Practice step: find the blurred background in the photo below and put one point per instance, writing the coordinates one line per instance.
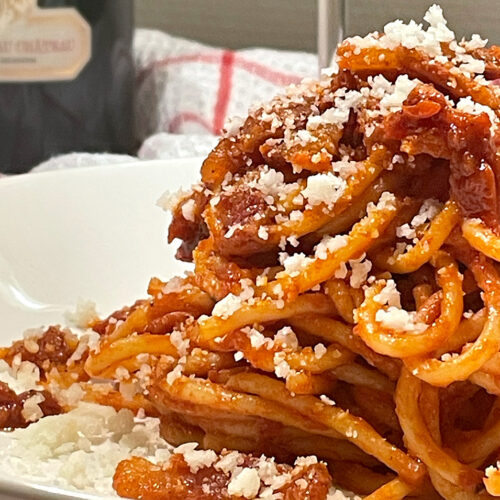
(164, 76)
(291, 24)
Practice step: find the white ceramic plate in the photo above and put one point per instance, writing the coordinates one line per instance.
(92, 233)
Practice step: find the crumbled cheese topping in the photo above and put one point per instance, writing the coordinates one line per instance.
(345, 167)
(180, 341)
(468, 314)
(400, 319)
(389, 295)
(89, 341)
(169, 201)
(411, 35)
(325, 399)
(344, 101)
(360, 269)
(263, 233)
(22, 376)
(187, 210)
(227, 463)
(81, 449)
(306, 461)
(467, 105)
(294, 264)
(196, 459)
(232, 229)
(287, 338)
(175, 373)
(281, 367)
(429, 209)
(84, 315)
(395, 96)
(232, 126)
(245, 484)
(324, 188)
(332, 70)
(492, 469)
(271, 183)
(414, 36)
(328, 245)
(476, 42)
(30, 339)
(31, 411)
(448, 356)
(238, 356)
(319, 351)
(231, 303)
(387, 201)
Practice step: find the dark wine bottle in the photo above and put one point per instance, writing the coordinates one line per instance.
(66, 79)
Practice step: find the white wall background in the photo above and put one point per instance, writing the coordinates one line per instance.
(291, 24)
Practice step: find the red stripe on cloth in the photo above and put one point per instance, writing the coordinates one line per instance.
(213, 57)
(224, 92)
(274, 76)
(187, 116)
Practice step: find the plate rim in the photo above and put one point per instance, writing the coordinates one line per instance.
(12, 487)
(99, 168)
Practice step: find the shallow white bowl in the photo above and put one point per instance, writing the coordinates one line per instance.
(92, 233)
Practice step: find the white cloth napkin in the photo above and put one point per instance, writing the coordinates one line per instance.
(185, 91)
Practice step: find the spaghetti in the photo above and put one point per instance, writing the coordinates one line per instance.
(345, 301)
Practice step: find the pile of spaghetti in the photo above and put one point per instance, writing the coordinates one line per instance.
(345, 299)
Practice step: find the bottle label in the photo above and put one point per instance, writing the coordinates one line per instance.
(38, 44)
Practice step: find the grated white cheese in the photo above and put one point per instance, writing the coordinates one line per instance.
(169, 201)
(70, 396)
(389, 295)
(319, 351)
(281, 367)
(31, 411)
(342, 271)
(187, 210)
(476, 42)
(22, 376)
(492, 469)
(287, 338)
(180, 341)
(325, 399)
(345, 168)
(344, 101)
(245, 484)
(467, 105)
(271, 183)
(257, 339)
(329, 245)
(324, 188)
(87, 342)
(196, 459)
(447, 356)
(263, 233)
(232, 126)
(429, 209)
(79, 450)
(294, 264)
(411, 35)
(360, 269)
(400, 319)
(393, 95)
(232, 229)
(84, 314)
(468, 314)
(174, 374)
(227, 306)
